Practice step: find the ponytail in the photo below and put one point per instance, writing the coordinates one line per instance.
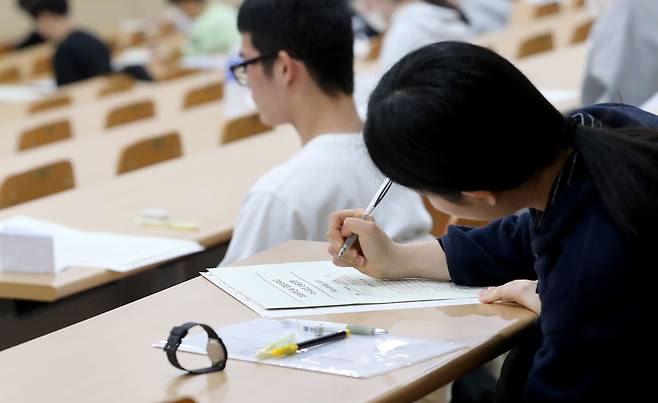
(623, 165)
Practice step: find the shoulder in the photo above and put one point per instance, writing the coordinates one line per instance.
(80, 39)
(315, 164)
(218, 14)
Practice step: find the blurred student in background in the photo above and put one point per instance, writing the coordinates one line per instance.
(298, 62)
(79, 55)
(485, 15)
(33, 38)
(412, 24)
(211, 28)
(623, 61)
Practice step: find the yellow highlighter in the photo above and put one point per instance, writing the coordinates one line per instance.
(282, 350)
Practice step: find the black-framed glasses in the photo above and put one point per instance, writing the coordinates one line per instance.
(239, 70)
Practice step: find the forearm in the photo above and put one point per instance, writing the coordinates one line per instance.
(420, 260)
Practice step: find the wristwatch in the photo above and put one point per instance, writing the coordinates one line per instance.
(215, 348)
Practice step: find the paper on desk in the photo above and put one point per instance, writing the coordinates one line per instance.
(557, 96)
(381, 298)
(19, 93)
(285, 313)
(651, 105)
(316, 284)
(114, 252)
(356, 356)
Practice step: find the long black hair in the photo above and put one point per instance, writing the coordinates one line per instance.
(453, 117)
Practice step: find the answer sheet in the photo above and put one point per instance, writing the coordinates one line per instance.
(318, 284)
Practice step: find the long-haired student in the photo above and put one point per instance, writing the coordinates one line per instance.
(464, 126)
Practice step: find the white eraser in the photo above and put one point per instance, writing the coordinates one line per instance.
(26, 251)
(155, 213)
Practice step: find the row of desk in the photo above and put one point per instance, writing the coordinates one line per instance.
(109, 356)
(88, 113)
(233, 167)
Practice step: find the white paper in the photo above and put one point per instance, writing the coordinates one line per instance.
(651, 105)
(114, 252)
(19, 93)
(204, 62)
(558, 96)
(284, 313)
(355, 356)
(320, 284)
(25, 251)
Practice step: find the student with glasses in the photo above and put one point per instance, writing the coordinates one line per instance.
(298, 63)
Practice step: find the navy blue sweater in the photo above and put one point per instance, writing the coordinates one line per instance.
(79, 57)
(592, 286)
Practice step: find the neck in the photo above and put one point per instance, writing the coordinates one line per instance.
(319, 114)
(539, 188)
(62, 31)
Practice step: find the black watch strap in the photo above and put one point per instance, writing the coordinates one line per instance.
(216, 349)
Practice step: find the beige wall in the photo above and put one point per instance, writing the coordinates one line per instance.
(94, 14)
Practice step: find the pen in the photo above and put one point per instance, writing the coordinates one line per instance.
(292, 348)
(369, 210)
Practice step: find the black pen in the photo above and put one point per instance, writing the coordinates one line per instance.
(292, 348)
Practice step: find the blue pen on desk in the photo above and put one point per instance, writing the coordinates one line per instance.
(379, 196)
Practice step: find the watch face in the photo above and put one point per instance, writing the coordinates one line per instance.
(216, 351)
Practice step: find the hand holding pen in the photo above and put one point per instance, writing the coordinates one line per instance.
(379, 196)
(373, 256)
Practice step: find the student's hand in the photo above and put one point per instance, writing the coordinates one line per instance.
(523, 292)
(373, 252)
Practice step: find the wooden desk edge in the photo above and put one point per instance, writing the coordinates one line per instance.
(96, 278)
(457, 364)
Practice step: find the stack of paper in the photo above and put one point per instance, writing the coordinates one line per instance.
(314, 288)
(114, 252)
(355, 356)
(19, 93)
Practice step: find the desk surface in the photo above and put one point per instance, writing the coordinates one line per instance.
(561, 70)
(95, 157)
(507, 40)
(88, 114)
(109, 357)
(207, 189)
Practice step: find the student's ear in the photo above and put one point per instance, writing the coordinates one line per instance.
(286, 68)
(480, 196)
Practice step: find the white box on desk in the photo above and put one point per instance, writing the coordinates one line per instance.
(26, 252)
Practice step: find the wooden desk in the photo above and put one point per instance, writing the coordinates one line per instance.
(88, 113)
(25, 59)
(95, 157)
(562, 69)
(506, 41)
(109, 357)
(207, 189)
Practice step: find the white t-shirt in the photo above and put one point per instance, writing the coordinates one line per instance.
(486, 15)
(331, 172)
(415, 25)
(623, 56)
